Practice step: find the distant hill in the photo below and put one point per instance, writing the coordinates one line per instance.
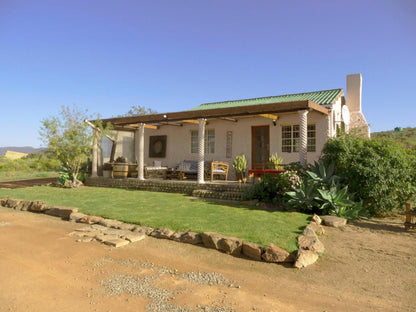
(21, 149)
(407, 136)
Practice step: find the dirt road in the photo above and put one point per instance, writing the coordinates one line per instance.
(367, 267)
(26, 182)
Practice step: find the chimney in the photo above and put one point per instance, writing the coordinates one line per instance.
(354, 86)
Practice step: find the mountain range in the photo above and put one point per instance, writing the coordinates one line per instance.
(21, 149)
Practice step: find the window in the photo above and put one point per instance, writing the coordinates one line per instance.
(290, 138)
(209, 141)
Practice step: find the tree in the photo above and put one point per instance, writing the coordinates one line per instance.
(139, 111)
(69, 139)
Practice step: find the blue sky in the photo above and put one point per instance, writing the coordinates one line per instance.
(172, 55)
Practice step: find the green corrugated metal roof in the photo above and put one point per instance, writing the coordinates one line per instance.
(319, 97)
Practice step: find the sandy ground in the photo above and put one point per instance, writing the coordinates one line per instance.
(370, 266)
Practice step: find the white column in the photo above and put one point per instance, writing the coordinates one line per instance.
(136, 146)
(94, 154)
(303, 137)
(99, 153)
(201, 150)
(140, 156)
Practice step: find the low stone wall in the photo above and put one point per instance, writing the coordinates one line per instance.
(231, 191)
(116, 233)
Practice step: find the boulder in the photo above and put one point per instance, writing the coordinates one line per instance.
(276, 254)
(61, 212)
(311, 243)
(118, 242)
(90, 219)
(318, 229)
(308, 231)
(3, 202)
(210, 239)
(110, 223)
(177, 236)
(334, 221)
(76, 216)
(252, 251)
(126, 226)
(190, 238)
(134, 237)
(316, 219)
(162, 233)
(38, 206)
(144, 229)
(23, 205)
(230, 245)
(12, 203)
(305, 258)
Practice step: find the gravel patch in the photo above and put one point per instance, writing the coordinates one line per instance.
(206, 278)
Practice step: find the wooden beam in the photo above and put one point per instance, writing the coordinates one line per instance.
(229, 119)
(172, 124)
(193, 121)
(269, 116)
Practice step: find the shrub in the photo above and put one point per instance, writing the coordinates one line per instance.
(380, 172)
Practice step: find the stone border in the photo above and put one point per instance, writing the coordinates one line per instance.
(116, 233)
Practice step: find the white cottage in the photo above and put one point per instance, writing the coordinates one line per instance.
(294, 126)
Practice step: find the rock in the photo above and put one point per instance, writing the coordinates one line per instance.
(210, 239)
(38, 206)
(163, 233)
(118, 242)
(334, 221)
(316, 219)
(144, 229)
(190, 238)
(77, 234)
(61, 212)
(308, 231)
(230, 245)
(305, 258)
(276, 254)
(177, 236)
(311, 243)
(318, 229)
(76, 216)
(117, 232)
(12, 203)
(252, 251)
(23, 205)
(3, 202)
(90, 219)
(110, 223)
(134, 237)
(126, 226)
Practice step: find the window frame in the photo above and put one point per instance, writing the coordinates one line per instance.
(209, 141)
(290, 137)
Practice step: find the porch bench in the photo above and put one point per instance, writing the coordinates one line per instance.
(189, 169)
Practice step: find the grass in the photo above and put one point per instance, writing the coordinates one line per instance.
(175, 211)
(19, 175)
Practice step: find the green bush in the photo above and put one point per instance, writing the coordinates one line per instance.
(380, 173)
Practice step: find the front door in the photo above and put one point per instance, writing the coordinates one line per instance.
(259, 147)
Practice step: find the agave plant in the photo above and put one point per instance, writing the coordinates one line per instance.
(323, 175)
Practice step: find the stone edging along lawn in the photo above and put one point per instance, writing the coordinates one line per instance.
(117, 233)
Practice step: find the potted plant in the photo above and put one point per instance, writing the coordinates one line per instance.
(120, 168)
(133, 170)
(107, 170)
(240, 166)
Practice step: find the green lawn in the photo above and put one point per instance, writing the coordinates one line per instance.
(175, 211)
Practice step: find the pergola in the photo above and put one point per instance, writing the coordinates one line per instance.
(200, 117)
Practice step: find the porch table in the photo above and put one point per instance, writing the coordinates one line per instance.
(262, 172)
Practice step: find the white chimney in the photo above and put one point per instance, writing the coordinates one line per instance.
(354, 87)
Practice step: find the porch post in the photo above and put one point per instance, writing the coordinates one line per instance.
(94, 154)
(140, 157)
(303, 137)
(201, 150)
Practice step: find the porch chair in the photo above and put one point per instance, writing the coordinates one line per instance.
(219, 168)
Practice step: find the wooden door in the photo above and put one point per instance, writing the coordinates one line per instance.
(259, 147)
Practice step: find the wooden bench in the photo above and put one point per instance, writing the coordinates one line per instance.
(219, 168)
(410, 214)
